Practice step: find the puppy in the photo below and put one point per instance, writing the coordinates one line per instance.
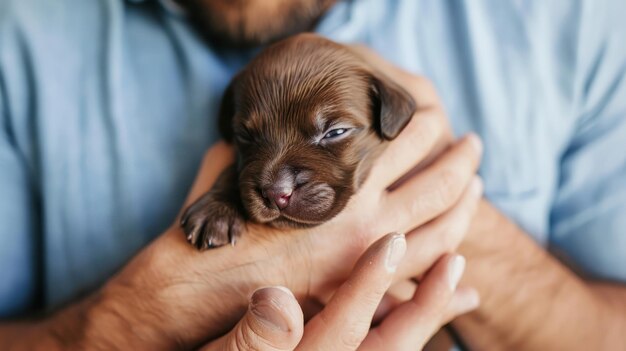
(307, 117)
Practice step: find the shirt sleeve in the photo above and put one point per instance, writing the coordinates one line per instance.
(18, 220)
(588, 218)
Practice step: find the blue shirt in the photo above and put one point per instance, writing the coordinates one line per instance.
(106, 108)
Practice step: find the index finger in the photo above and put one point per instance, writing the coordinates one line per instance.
(426, 135)
(412, 324)
(346, 319)
(423, 136)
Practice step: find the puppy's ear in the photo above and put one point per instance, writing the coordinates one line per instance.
(392, 106)
(227, 112)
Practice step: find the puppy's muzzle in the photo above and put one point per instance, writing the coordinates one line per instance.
(278, 192)
(277, 196)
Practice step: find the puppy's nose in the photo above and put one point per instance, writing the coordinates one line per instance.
(279, 196)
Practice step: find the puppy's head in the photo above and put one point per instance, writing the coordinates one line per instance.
(307, 118)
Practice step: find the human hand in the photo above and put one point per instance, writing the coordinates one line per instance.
(274, 320)
(181, 297)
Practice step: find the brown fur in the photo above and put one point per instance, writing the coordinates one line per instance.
(277, 112)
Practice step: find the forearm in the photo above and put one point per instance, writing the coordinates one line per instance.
(530, 300)
(113, 318)
(62, 330)
(137, 309)
(170, 296)
(614, 321)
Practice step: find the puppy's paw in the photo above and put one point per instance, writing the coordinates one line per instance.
(209, 223)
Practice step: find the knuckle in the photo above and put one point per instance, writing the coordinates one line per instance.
(425, 87)
(449, 185)
(413, 208)
(373, 296)
(412, 85)
(448, 177)
(422, 127)
(469, 153)
(440, 198)
(244, 341)
(425, 84)
(454, 226)
(354, 335)
(429, 90)
(416, 81)
(451, 233)
(253, 337)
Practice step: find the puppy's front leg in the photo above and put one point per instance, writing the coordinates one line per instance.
(216, 218)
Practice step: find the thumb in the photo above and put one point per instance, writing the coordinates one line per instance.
(273, 322)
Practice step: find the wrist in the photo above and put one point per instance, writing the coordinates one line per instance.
(168, 297)
(485, 235)
(29, 335)
(501, 258)
(486, 247)
(518, 282)
(128, 317)
(61, 330)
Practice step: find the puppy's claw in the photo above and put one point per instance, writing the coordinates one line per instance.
(210, 223)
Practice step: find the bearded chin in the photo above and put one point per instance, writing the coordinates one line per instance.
(252, 23)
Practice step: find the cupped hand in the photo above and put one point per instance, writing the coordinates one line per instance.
(180, 296)
(274, 320)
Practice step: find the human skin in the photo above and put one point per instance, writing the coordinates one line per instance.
(274, 320)
(172, 297)
(524, 285)
(529, 299)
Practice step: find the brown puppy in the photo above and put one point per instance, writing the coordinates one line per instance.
(307, 117)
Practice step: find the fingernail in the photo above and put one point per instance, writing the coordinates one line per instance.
(268, 310)
(477, 186)
(476, 142)
(396, 251)
(456, 266)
